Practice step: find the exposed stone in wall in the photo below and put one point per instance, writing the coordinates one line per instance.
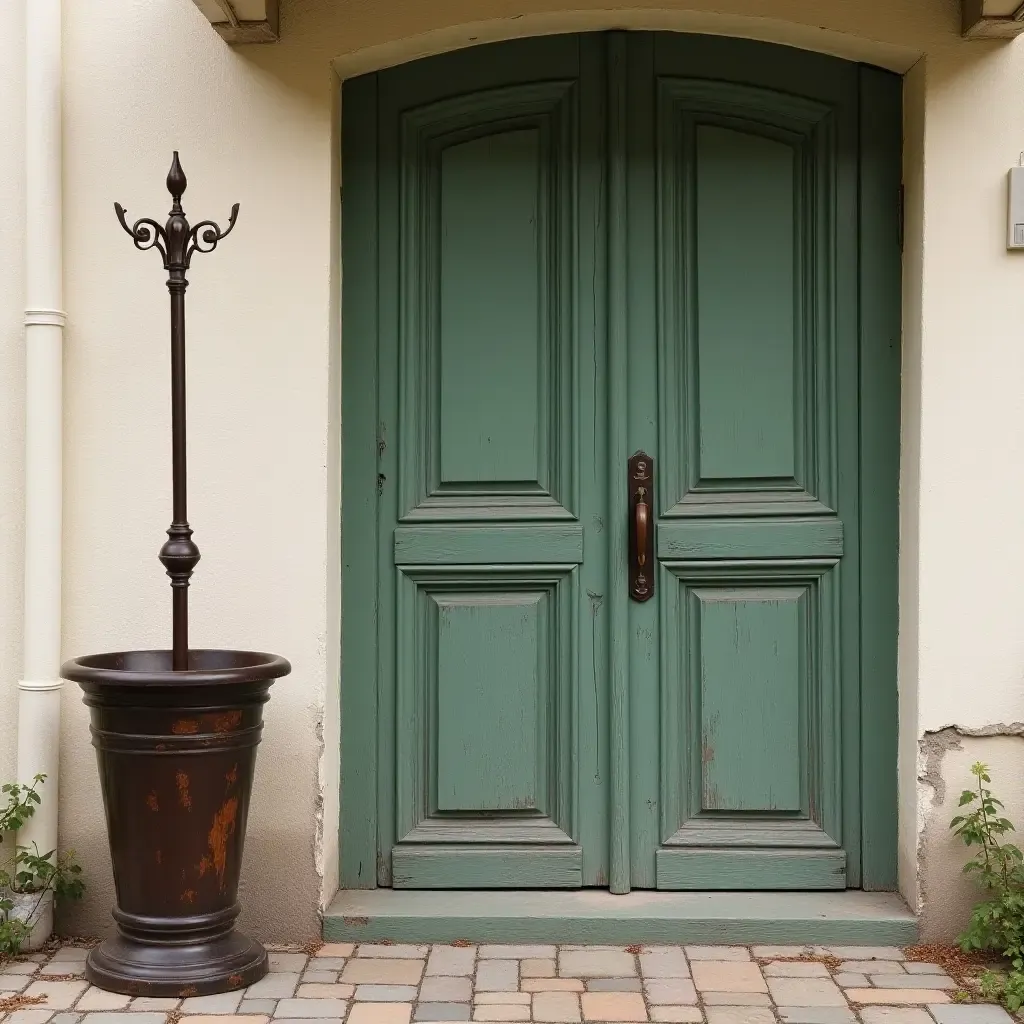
(945, 757)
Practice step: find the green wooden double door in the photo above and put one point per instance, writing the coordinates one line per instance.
(559, 252)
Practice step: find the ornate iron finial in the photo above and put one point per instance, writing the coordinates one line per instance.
(176, 241)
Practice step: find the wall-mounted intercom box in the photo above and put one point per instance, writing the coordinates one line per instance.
(1015, 217)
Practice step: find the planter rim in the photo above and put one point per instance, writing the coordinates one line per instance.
(208, 667)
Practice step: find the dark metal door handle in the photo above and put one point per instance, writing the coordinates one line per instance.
(641, 535)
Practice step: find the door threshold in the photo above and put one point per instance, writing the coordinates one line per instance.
(850, 917)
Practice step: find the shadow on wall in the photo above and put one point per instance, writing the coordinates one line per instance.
(944, 771)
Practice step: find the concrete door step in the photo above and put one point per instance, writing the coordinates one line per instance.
(850, 917)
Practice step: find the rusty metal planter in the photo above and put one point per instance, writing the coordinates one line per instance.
(176, 753)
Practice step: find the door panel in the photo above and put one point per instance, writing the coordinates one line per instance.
(488, 260)
(754, 365)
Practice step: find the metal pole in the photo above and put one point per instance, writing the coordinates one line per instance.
(177, 241)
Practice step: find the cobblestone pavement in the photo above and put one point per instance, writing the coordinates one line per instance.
(400, 984)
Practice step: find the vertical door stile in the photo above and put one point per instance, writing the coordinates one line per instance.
(618, 610)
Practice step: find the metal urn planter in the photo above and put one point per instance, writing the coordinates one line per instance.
(175, 733)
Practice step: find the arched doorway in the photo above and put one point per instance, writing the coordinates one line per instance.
(560, 252)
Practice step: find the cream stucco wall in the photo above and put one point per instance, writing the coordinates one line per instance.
(259, 126)
(12, 372)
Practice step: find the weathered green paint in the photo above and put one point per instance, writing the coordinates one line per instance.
(739, 870)
(751, 643)
(829, 918)
(497, 867)
(502, 545)
(567, 229)
(749, 538)
(881, 140)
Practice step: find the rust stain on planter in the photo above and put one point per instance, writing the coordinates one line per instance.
(188, 896)
(203, 866)
(223, 829)
(236, 979)
(232, 776)
(183, 795)
(185, 727)
(152, 803)
(228, 722)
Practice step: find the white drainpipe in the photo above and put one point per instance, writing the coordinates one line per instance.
(39, 690)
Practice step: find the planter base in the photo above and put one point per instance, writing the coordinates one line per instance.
(125, 965)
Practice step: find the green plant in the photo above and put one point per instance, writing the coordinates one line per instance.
(29, 872)
(997, 923)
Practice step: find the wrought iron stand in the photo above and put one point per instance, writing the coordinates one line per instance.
(175, 733)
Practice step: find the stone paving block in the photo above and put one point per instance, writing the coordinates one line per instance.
(335, 949)
(62, 968)
(249, 1006)
(308, 1020)
(614, 985)
(70, 953)
(442, 1011)
(795, 969)
(155, 1003)
(872, 967)
(328, 963)
(292, 962)
(315, 1008)
(28, 1016)
(913, 981)
(503, 998)
(556, 985)
(121, 1018)
(19, 967)
(60, 995)
(255, 1018)
(315, 977)
(315, 990)
(371, 971)
(396, 951)
(273, 986)
(919, 967)
(368, 993)
(896, 996)
(847, 980)
(677, 1014)
(613, 1006)
(515, 952)
(816, 1015)
(66, 1018)
(717, 952)
(735, 999)
(597, 964)
(97, 999)
(767, 952)
(664, 964)
(451, 960)
(675, 991)
(981, 1013)
(446, 990)
(727, 976)
(497, 976)
(740, 1015)
(223, 1002)
(499, 1011)
(805, 992)
(13, 983)
(380, 1013)
(537, 967)
(894, 1015)
(862, 952)
(562, 1007)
